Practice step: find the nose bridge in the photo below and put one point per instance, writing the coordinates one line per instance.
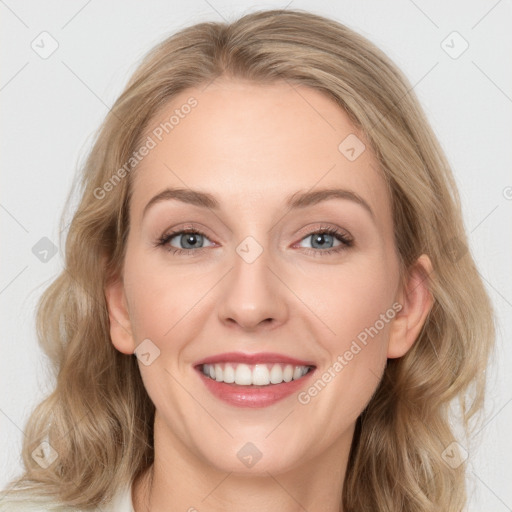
(252, 294)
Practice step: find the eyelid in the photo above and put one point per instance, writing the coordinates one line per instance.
(324, 227)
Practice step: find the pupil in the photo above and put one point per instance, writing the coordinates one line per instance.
(190, 239)
(320, 239)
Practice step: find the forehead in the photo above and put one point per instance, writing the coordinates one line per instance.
(254, 145)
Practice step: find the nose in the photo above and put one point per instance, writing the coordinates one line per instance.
(253, 295)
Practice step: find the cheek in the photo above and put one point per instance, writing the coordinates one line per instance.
(164, 299)
(354, 304)
(151, 298)
(349, 299)
(354, 358)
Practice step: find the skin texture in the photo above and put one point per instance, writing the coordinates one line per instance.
(252, 146)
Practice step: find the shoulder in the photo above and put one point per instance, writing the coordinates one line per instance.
(32, 503)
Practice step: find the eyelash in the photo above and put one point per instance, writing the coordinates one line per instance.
(346, 242)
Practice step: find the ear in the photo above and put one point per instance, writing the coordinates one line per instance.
(416, 300)
(120, 325)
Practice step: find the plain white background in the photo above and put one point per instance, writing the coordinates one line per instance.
(51, 107)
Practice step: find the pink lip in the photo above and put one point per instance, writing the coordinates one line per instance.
(262, 357)
(253, 396)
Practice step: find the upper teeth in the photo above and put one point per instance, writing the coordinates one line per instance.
(258, 374)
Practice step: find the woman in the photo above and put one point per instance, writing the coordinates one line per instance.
(269, 225)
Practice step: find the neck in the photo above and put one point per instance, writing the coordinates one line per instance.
(178, 480)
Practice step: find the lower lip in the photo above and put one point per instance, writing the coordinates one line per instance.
(253, 396)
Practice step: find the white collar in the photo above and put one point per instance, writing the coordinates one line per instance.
(122, 501)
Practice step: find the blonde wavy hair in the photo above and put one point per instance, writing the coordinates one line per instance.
(99, 418)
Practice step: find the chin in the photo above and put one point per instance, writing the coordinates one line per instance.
(248, 458)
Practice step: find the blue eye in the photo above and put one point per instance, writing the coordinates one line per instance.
(190, 241)
(322, 237)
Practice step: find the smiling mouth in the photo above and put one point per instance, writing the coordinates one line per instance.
(263, 374)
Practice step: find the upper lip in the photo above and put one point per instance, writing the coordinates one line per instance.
(255, 358)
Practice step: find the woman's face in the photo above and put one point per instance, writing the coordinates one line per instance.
(256, 277)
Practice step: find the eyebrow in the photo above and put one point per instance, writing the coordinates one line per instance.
(295, 201)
